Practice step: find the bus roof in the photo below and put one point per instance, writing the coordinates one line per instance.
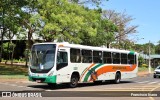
(78, 46)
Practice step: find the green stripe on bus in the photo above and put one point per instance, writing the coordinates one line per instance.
(89, 73)
(131, 52)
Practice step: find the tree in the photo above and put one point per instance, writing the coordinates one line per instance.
(93, 2)
(157, 48)
(3, 7)
(121, 20)
(9, 19)
(104, 36)
(9, 50)
(63, 23)
(141, 61)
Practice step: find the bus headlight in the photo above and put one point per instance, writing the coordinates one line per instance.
(51, 73)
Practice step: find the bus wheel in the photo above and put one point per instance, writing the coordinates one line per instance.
(154, 76)
(74, 81)
(52, 85)
(117, 78)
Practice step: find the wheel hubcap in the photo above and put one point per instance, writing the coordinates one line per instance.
(74, 82)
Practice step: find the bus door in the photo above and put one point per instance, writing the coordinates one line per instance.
(61, 66)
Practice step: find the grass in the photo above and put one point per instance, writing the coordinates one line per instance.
(141, 69)
(13, 70)
(13, 77)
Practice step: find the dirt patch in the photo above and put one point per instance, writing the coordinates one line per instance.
(143, 73)
(12, 80)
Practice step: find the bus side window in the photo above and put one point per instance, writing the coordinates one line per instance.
(75, 56)
(62, 60)
(123, 58)
(97, 56)
(116, 58)
(87, 56)
(131, 59)
(107, 57)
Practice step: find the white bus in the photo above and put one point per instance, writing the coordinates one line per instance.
(55, 63)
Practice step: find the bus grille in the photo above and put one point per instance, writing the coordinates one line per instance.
(157, 72)
(42, 79)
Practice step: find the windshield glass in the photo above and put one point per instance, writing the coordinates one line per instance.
(158, 67)
(43, 56)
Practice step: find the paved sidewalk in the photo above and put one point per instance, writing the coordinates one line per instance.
(144, 73)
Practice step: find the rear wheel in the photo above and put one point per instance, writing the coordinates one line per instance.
(117, 78)
(74, 81)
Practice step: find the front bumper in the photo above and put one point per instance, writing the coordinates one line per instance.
(49, 79)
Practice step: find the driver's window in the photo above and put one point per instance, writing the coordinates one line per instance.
(62, 60)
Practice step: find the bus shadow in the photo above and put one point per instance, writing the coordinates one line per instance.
(80, 85)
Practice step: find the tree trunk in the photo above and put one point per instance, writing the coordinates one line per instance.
(12, 54)
(2, 34)
(8, 54)
(1, 50)
(12, 51)
(29, 44)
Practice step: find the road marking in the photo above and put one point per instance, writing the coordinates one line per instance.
(21, 86)
(143, 82)
(29, 87)
(48, 90)
(15, 85)
(153, 82)
(24, 82)
(153, 90)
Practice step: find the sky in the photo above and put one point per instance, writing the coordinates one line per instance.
(146, 14)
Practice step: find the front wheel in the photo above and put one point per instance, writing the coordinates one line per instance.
(74, 81)
(117, 78)
(154, 76)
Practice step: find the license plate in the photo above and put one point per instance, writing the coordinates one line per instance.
(38, 81)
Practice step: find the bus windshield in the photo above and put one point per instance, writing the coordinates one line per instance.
(43, 56)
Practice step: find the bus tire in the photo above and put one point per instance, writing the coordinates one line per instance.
(74, 81)
(52, 85)
(117, 78)
(154, 76)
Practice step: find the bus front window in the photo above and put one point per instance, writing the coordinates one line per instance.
(43, 56)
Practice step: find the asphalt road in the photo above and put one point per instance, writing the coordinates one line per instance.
(145, 84)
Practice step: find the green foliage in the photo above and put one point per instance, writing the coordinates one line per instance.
(66, 21)
(12, 70)
(144, 48)
(144, 69)
(141, 60)
(104, 36)
(157, 48)
(8, 47)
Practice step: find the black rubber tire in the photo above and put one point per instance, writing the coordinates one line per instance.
(52, 85)
(74, 81)
(117, 78)
(154, 76)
